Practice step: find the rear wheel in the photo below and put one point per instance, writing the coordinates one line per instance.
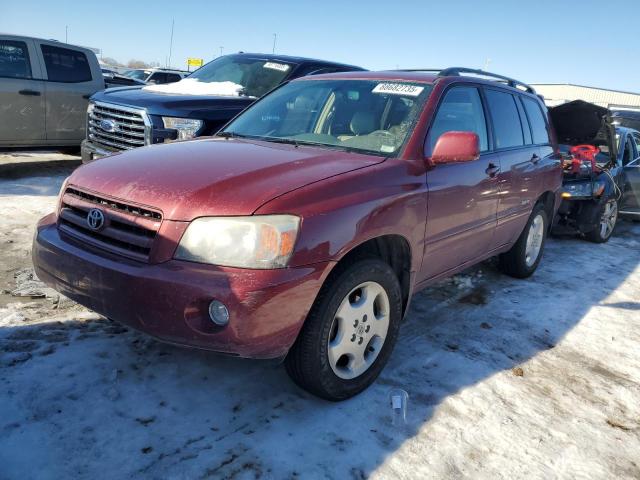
(608, 220)
(523, 258)
(349, 334)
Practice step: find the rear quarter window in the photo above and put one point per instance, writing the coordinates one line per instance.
(14, 59)
(66, 65)
(538, 124)
(506, 121)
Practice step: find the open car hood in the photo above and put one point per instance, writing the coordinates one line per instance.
(579, 123)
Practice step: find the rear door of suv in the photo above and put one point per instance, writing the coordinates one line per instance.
(518, 181)
(22, 99)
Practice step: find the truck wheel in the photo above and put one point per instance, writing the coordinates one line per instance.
(608, 219)
(523, 258)
(349, 333)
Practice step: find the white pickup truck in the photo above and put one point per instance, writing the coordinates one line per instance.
(44, 91)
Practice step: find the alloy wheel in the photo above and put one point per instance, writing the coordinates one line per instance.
(608, 219)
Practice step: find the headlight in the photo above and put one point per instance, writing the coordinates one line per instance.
(583, 189)
(63, 187)
(186, 127)
(261, 241)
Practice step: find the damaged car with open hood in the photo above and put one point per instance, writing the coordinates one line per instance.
(601, 170)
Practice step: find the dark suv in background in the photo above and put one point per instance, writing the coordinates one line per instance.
(125, 118)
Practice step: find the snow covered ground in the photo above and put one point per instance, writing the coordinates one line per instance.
(506, 379)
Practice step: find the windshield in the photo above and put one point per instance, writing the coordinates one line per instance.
(137, 74)
(359, 115)
(256, 76)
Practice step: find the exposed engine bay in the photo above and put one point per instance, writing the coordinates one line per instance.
(587, 139)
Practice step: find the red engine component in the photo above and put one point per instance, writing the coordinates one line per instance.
(583, 153)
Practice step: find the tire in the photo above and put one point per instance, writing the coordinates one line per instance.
(520, 262)
(608, 218)
(315, 363)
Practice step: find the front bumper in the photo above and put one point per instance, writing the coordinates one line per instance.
(578, 215)
(170, 300)
(90, 152)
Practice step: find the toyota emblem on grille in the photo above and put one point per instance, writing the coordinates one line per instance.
(108, 125)
(95, 219)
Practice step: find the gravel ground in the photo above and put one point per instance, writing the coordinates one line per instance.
(506, 379)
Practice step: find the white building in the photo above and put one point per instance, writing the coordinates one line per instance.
(559, 93)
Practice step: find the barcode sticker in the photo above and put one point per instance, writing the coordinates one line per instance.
(398, 89)
(276, 66)
(396, 402)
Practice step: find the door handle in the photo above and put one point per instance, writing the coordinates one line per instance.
(32, 93)
(535, 158)
(492, 170)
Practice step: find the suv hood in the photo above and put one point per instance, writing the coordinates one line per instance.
(580, 122)
(212, 176)
(157, 103)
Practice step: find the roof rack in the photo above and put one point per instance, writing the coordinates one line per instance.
(456, 71)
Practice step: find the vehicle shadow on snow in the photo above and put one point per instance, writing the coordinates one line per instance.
(135, 406)
(41, 178)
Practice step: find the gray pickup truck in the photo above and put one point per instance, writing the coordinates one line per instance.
(44, 91)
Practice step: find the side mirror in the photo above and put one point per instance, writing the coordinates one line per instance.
(456, 147)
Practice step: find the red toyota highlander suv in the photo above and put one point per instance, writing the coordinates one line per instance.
(304, 227)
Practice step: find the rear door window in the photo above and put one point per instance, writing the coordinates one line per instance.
(66, 65)
(461, 110)
(173, 77)
(538, 124)
(506, 121)
(14, 59)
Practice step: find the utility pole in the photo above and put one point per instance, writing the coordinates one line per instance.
(487, 62)
(170, 44)
(66, 34)
(221, 49)
(275, 37)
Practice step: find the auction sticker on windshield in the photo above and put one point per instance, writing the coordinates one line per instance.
(398, 89)
(276, 66)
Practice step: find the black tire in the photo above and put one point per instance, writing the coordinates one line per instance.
(308, 362)
(600, 234)
(514, 262)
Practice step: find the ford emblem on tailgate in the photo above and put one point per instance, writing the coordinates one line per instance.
(108, 125)
(95, 219)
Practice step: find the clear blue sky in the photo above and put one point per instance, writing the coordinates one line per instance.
(566, 41)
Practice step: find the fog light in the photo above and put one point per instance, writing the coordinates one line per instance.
(218, 313)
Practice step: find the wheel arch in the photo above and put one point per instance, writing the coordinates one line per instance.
(548, 200)
(393, 249)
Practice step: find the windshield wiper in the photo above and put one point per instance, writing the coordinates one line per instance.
(230, 135)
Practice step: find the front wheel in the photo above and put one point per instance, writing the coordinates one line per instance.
(608, 219)
(349, 333)
(523, 258)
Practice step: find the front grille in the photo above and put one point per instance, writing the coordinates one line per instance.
(115, 127)
(128, 230)
(115, 205)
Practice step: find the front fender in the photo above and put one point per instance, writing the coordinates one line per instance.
(344, 211)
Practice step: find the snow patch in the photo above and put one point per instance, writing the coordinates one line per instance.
(191, 86)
